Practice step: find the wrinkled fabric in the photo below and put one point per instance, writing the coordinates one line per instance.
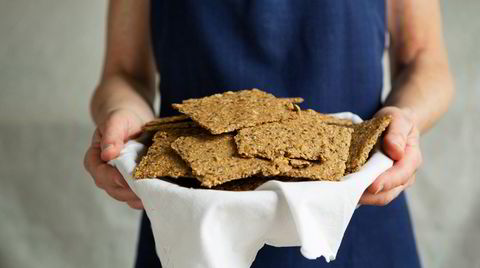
(219, 229)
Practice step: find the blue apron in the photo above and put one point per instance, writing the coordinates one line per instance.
(327, 51)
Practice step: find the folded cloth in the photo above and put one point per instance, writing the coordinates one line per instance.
(213, 228)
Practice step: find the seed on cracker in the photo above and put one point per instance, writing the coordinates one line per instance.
(299, 163)
(161, 160)
(364, 137)
(229, 111)
(214, 159)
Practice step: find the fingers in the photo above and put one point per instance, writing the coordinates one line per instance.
(104, 175)
(381, 199)
(385, 197)
(107, 142)
(113, 134)
(411, 181)
(122, 194)
(135, 204)
(395, 138)
(402, 170)
(399, 173)
(109, 179)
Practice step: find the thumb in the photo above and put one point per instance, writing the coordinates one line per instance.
(396, 136)
(113, 134)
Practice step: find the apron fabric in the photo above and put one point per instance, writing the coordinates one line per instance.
(327, 51)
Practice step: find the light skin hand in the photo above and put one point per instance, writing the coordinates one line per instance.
(401, 144)
(123, 100)
(422, 89)
(107, 142)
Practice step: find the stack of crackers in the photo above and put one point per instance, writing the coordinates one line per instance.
(239, 140)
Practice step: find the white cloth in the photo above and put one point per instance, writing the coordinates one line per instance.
(211, 228)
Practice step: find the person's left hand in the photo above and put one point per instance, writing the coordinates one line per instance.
(400, 143)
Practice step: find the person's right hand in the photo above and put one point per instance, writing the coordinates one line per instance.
(108, 140)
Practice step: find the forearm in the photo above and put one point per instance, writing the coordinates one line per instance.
(424, 87)
(422, 82)
(118, 92)
(128, 78)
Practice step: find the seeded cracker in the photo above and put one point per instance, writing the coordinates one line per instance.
(304, 137)
(229, 111)
(214, 159)
(298, 163)
(172, 125)
(330, 170)
(155, 123)
(325, 118)
(364, 137)
(168, 119)
(161, 160)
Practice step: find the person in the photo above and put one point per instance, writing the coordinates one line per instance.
(328, 52)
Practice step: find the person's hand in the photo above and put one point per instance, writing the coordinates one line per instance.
(400, 143)
(108, 139)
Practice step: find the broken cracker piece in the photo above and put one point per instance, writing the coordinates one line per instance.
(364, 137)
(330, 170)
(161, 160)
(214, 159)
(229, 111)
(300, 138)
(325, 118)
(167, 119)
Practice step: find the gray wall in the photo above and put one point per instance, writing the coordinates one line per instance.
(445, 201)
(51, 215)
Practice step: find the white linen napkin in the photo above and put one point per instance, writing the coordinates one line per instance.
(212, 228)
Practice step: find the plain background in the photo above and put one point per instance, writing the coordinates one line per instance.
(51, 214)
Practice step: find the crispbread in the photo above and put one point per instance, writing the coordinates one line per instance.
(299, 163)
(325, 118)
(171, 125)
(214, 159)
(364, 137)
(275, 140)
(291, 100)
(304, 137)
(330, 170)
(168, 119)
(229, 111)
(152, 125)
(161, 160)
